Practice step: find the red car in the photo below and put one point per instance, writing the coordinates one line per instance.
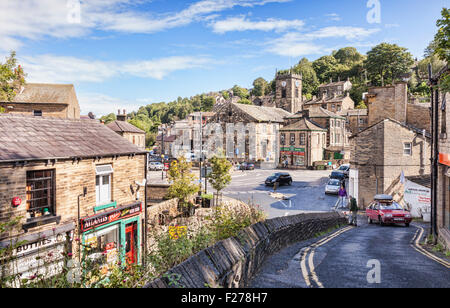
(385, 211)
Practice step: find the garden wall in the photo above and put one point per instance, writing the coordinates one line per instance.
(233, 262)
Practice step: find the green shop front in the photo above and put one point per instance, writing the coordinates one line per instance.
(295, 156)
(113, 236)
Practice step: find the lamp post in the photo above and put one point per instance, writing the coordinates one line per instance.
(79, 226)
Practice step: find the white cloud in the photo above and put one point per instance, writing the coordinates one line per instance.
(38, 19)
(334, 17)
(57, 69)
(296, 44)
(101, 104)
(243, 24)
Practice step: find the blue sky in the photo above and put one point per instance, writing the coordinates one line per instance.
(125, 54)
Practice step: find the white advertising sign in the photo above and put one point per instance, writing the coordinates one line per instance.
(417, 197)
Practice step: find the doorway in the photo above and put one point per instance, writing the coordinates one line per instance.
(131, 243)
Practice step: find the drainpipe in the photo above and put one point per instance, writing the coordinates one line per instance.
(78, 222)
(145, 213)
(435, 152)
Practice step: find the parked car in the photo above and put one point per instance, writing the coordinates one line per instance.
(156, 166)
(247, 166)
(385, 210)
(344, 169)
(280, 178)
(338, 175)
(333, 187)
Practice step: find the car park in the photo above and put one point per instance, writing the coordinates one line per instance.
(384, 210)
(332, 187)
(280, 177)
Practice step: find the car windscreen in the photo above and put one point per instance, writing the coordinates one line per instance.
(334, 183)
(390, 206)
(337, 175)
(275, 175)
(344, 168)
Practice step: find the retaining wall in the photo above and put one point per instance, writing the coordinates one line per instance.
(233, 262)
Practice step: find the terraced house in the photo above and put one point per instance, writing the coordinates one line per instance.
(65, 179)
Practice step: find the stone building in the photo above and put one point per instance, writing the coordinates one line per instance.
(65, 179)
(381, 153)
(442, 189)
(246, 133)
(128, 131)
(357, 119)
(302, 143)
(47, 100)
(288, 92)
(337, 145)
(335, 88)
(393, 102)
(335, 103)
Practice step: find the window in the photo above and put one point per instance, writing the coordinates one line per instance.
(361, 121)
(339, 108)
(134, 139)
(41, 193)
(302, 139)
(338, 123)
(292, 139)
(37, 113)
(283, 93)
(103, 184)
(407, 148)
(333, 107)
(283, 139)
(323, 139)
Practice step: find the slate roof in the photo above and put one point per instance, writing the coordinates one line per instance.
(332, 84)
(264, 114)
(423, 180)
(328, 99)
(319, 112)
(45, 93)
(354, 112)
(35, 138)
(124, 127)
(303, 124)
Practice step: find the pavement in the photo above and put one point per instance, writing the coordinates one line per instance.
(367, 256)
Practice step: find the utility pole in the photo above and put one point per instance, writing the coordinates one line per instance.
(201, 152)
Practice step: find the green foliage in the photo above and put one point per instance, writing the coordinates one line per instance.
(261, 87)
(310, 80)
(12, 77)
(225, 95)
(442, 46)
(182, 181)
(241, 92)
(220, 176)
(325, 68)
(386, 63)
(357, 91)
(245, 101)
(108, 118)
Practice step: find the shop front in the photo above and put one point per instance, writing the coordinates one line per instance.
(114, 236)
(294, 156)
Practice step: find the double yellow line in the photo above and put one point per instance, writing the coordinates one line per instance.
(308, 253)
(416, 245)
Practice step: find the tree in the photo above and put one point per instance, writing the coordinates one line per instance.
(109, 118)
(260, 87)
(310, 81)
(182, 181)
(386, 63)
(348, 56)
(245, 102)
(220, 176)
(241, 92)
(442, 46)
(324, 68)
(12, 78)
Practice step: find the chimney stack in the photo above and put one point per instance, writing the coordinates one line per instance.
(121, 117)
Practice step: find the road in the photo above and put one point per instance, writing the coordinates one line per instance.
(305, 195)
(369, 256)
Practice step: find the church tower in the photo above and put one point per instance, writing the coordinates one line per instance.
(288, 92)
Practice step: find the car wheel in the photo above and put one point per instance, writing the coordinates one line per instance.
(290, 183)
(369, 220)
(407, 225)
(380, 221)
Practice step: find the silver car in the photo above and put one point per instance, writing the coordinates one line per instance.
(333, 187)
(155, 166)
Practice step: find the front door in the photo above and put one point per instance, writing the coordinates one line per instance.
(131, 245)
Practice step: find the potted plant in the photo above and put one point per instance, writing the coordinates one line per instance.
(207, 200)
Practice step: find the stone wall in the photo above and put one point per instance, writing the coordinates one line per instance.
(233, 262)
(418, 115)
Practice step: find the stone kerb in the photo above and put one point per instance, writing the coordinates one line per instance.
(233, 262)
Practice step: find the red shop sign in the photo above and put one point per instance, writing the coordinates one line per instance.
(91, 222)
